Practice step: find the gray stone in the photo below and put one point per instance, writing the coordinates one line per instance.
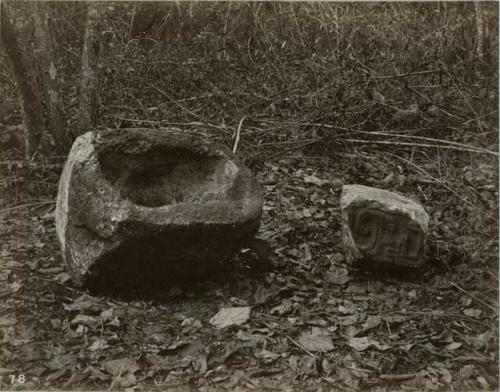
(382, 228)
(141, 206)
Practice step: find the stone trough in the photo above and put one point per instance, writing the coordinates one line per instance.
(139, 207)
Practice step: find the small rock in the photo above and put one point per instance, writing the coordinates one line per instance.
(382, 228)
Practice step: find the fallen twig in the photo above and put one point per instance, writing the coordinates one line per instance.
(439, 314)
(398, 377)
(186, 109)
(423, 145)
(284, 151)
(463, 96)
(132, 119)
(237, 137)
(60, 284)
(472, 296)
(437, 181)
(301, 124)
(300, 346)
(407, 74)
(464, 146)
(38, 203)
(470, 358)
(33, 165)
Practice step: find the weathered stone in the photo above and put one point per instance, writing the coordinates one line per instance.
(142, 206)
(382, 228)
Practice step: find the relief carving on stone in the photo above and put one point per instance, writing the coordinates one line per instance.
(388, 238)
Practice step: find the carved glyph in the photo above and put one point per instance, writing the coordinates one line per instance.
(382, 228)
(388, 238)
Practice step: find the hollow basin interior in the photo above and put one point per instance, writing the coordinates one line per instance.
(166, 176)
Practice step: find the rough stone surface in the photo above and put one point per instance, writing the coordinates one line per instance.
(142, 206)
(382, 228)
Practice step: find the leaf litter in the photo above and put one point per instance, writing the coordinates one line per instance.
(314, 320)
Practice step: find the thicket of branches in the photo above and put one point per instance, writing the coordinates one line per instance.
(371, 67)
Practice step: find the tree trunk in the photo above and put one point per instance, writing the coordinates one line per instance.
(46, 58)
(31, 108)
(144, 16)
(480, 27)
(90, 57)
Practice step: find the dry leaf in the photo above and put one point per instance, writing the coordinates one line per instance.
(84, 302)
(285, 307)
(481, 341)
(107, 315)
(267, 356)
(338, 276)
(250, 337)
(121, 366)
(127, 380)
(378, 97)
(467, 371)
(318, 340)
(231, 316)
(115, 322)
(63, 277)
(453, 346)
(4, 371)
(476, 313)
(371, 322)
(99, 344)
(314, 180)
(83, 319)
(360, 344)
(56, 375)
(363, 343)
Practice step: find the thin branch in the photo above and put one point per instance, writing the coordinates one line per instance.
(237, 138)
(185, 108)
(472, 296)
(403, 144)
(38, 203)
(297, 147)
(300, 346)
(407, 74)
(464, 146)
(132, 119)
(398, 377)
(440, 182)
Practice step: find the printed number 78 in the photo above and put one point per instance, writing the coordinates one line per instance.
(17, 379)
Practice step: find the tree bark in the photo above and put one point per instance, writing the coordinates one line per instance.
(480, 28)
(31, 108)
(90, 58)
(144, 16)
(49, 74)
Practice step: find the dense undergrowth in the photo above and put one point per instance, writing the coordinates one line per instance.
(390, 95)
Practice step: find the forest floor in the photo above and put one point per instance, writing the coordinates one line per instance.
(309, 125)
(315, 322)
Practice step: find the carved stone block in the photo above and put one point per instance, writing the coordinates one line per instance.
(382, 228)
